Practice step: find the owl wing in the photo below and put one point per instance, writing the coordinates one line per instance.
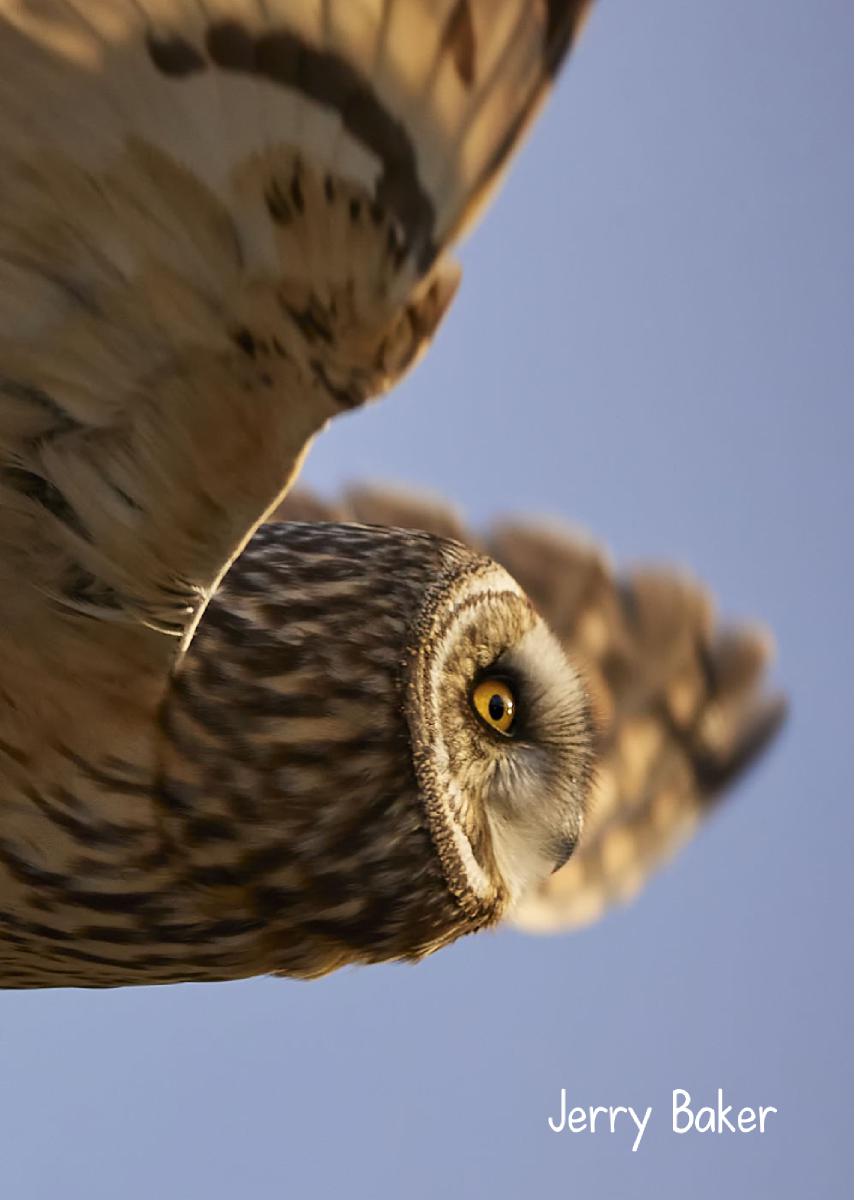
(680, 699)
(222, 222)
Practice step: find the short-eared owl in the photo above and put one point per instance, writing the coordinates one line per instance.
(228, 749)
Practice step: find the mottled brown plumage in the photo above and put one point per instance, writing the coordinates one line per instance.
(319, 789)
(679, 699)
(301, 743)
(220, 225)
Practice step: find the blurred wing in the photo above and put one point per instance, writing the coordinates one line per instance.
(680, 699)
(221, 223)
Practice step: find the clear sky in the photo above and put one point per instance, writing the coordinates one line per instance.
(653, 340)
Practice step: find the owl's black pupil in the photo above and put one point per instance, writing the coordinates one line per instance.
(496, 707)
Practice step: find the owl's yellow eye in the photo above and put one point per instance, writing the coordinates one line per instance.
(495, 704)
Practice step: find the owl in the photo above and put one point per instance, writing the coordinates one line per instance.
(234, 745)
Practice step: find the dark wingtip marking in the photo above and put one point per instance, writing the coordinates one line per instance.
(715, 776)
(563, 21)
(277, 57)
(174, 56)
(230, 46)
(458, 38)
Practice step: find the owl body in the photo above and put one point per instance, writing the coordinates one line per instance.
(318, 788)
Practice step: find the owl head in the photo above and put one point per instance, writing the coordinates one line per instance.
(385, 742)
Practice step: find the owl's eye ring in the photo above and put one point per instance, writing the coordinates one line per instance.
(495, 702)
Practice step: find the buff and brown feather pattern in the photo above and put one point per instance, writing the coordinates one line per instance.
(222, 222)
(679, 699)
(227, 750)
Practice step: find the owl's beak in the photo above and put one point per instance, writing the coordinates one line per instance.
(563, 849)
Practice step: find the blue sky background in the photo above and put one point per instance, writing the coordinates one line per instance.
(652, 339)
